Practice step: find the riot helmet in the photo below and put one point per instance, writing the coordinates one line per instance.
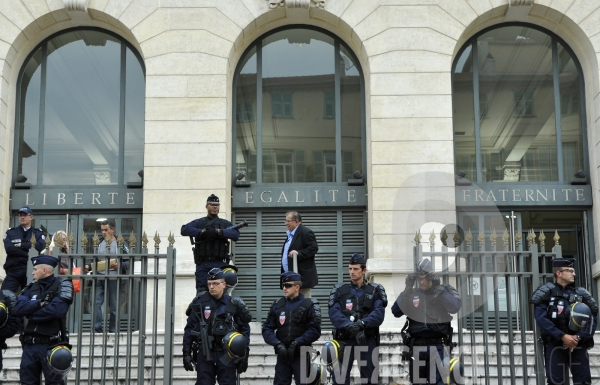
(9, 298)
(3, 314)
(333, 352)
(456, 371)
(230, 275)
(234, 347)
(59, 359)
(424, 267)
(581, 318)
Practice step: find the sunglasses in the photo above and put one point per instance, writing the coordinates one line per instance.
(288, 285)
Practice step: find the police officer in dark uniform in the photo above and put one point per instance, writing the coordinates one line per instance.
(17, 242)
(45, 303)
(356, 311)
(292, 322)
(563, 346)
(428, 310)
(9, 324)
(211, 236)
(211, 316)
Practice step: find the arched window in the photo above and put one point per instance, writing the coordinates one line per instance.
(298, 109)
(518, 108)
(80, 112)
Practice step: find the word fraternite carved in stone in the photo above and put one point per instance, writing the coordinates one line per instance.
(296, 3)
(76, 5)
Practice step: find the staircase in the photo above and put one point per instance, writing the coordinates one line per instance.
(262, 360)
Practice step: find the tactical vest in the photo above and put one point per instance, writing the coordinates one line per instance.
(421, 310)
(358, 308)
(295, 324)
(46, 328)
(217, 325)
(559, 308)
(211, 250)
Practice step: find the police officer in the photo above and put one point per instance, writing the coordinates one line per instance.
(45, 303)
(17, 242)
(211, 316)
(564, 346)
(356, 311)
(428, 310)
(212, 235)
(9, 324)
(293, 321)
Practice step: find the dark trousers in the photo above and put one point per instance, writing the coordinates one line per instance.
(285, 370)
(33, 363)
(428, 372)
(16, 279)
(202, 270)
(558, 360)
(207, 370)
(368, 372)
(112, 291)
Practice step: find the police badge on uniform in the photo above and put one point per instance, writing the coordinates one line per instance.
(416, 301)
(206, 312)
(349, 305)
(560, 306)
(282, 318)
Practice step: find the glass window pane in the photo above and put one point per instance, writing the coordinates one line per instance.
(245, 118)
(518, 132)
(29, 118)
(298, 72)
(81, 132)
(135, 93)
(464, 123)
(570, 114)
(351, 114)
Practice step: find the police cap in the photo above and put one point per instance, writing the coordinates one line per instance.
(215, 274)
(44, 260)
(358, 259)
(290, 276)
(26, 210)
(212, 198)
(563, 262)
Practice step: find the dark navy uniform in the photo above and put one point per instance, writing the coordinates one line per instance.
(211, 249)
(428, 313)
(299, 320)
(221, 316)
(552, 313)
(12, 325)
(367, 304)
(17, 257)
(45, 324)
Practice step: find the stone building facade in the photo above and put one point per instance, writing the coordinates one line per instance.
(407, 113)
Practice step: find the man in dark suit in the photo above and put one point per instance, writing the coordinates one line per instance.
(301, 244)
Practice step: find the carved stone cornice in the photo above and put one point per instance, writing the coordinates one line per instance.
(517, 3)
(76, 5)
(295, 3)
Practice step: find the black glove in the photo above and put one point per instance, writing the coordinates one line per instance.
(25, 245)
(242, 366)
(66, 291)
(435, 280)
(410, 280)
(210, 233)
(187, 360)
(361, 338)
(291, 351)
(352, 329)
(280, 349)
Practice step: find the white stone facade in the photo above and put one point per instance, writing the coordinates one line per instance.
(191, 48)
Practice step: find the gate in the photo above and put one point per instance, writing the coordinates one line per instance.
(497, 335)
(140, 351)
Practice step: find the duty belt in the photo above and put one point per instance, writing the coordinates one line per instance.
(427, 341)
(35, 340)
(215, 258)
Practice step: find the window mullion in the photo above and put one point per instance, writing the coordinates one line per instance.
(121, 164)
(557, 110)
(476, 113)
(42, 118)
(259, 112)
(338, 114)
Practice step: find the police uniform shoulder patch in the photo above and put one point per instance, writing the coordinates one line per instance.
(333, 295)
(542, 293)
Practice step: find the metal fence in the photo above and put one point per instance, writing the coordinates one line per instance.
(142, 342)
(497, 335)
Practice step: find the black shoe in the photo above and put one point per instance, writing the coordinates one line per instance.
(98, 330)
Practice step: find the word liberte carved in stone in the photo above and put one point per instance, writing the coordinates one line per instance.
(296, 3)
